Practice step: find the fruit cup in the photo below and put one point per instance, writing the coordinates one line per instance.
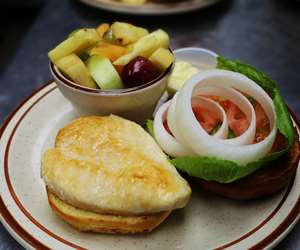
(135, 103)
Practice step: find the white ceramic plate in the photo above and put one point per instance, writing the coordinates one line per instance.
(207, 222)
(151, 8)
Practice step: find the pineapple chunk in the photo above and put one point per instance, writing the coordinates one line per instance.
(73, 32)
(127, 33)
(76, 43)
(162, 58)
(145, 46)
(102, 28)
(75, 69)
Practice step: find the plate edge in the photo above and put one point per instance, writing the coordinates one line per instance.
(132, 11)
(7, 220)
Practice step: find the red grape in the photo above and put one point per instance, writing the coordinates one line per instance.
(138, 72)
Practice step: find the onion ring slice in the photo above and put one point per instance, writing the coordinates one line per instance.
(196, 138)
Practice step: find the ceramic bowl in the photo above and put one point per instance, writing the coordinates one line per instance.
(137, 103)
(199, 57)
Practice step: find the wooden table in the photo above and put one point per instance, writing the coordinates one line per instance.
(263, 33)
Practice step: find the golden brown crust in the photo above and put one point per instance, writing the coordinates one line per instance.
(104, 223)
(265, 181)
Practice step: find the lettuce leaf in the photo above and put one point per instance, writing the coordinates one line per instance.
(230, 134)
(254, 74)
(283, 122)
(213, 169)
(149, 127)
(224, 171)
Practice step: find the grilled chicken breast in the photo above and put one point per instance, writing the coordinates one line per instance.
(110, 165)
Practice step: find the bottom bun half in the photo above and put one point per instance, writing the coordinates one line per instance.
(104, 223)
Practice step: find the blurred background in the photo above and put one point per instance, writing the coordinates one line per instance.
(265, 34)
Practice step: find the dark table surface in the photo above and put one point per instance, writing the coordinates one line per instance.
(263, 33)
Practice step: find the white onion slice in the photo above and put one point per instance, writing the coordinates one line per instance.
(172, 123)
(167, 142)
(196, 138)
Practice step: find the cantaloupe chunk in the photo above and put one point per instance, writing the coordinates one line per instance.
(111, 51)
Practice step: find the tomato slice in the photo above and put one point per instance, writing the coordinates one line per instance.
(237, 120)
(206, 118)
(262, 123)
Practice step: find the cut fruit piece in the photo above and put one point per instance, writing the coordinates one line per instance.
(145, 46)
(111, 51)
(129, 47)
(127, 33)
(104, 73)
(162, 58)
(76, 43)
(110, 37)
(162, 39)
(102, 28)
(74, 68)
(182, 71)
(119, 68)
(73, 32)
(139, 71)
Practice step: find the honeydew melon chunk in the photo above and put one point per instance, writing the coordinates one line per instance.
(76, 43)
(162, 58)
(127, 33)
(145, 46)
(104, 73)
(182, 71)
(74, 68)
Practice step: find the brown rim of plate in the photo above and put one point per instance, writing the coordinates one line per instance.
(10, 187)
(26, 236)
(74, 85)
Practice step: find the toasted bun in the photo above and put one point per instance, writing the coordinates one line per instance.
(104, 223)
(110, 165)
(265, 181)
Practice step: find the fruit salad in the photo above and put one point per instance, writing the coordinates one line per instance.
(114, 56)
